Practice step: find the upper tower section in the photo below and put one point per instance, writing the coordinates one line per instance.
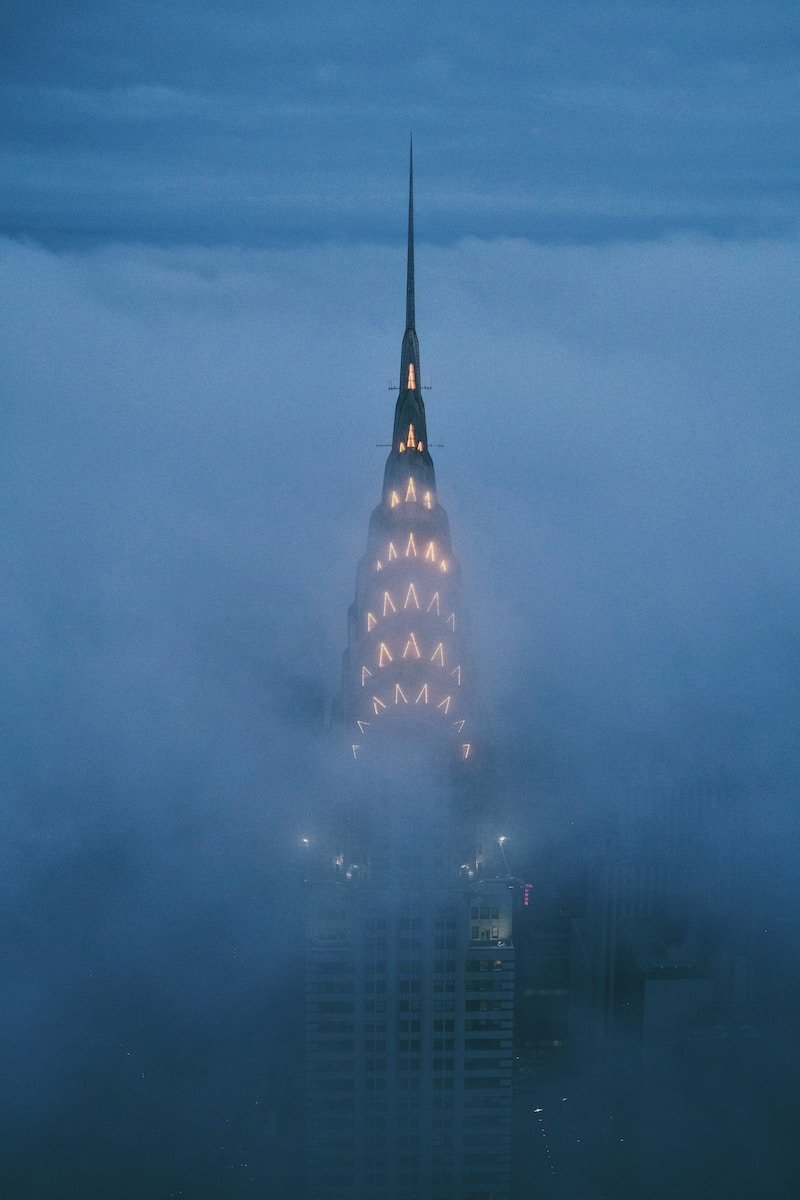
(406, 671)
(409, 452)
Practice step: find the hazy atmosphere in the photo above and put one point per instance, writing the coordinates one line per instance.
(202, 221)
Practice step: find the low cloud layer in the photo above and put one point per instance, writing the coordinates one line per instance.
(189, 461)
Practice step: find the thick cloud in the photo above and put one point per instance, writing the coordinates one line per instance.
(271, 125)
(188, 465)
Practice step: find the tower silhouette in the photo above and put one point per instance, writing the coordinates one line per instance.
(409, 958)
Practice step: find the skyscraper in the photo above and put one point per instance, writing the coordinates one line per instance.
(409, 956)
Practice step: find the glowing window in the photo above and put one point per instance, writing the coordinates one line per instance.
(411, 547)
(378, 565)
(423, 694)
(392, 551)
(451, 621)
(443, 564)
(411, 439)
(411, 647)
(465, 749)
(420, 446)
(365, 675)
(394, 500)
(411, 491)
(372, 621)
(430, 553)
(444, 705)
(399, 694)
(411, 597)
(438, 655)
(355, 751)
(458, 725)
(388, 603)
(384, 655)
(377, 704)
(402, 447)
(362, 725)
(434, 604)
(457, 673)
(427, 499)
(412, 380)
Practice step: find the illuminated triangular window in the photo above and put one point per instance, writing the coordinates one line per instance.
(365, 675)
(438, 655)
(412, 380)
(411, 597)
(399, 694)
(427, 499)
(355, 751)
(443, 564)
(402, 447)
(434, 604)
(362, 725)
(444, 705)
(423, 694)
(384, 655)
(394, 500)
(379, 565)
(388, 604)
(412, 648)
(392, 551)
(465, 749)
(459, 725)
(430, 553)
(451, 621)
(411, 491)
(411, 439)
(377, 704)
(420, 446)
(457, 673)
(411, 547)
(372, 621)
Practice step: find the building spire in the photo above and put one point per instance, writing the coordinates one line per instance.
(410, 316)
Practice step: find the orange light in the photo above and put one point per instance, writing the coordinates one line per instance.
(394, 500)
(384, 655)
(412, 379)
(411, 492)
(427, 499)
(402, 447)
(411, 647)
(412, 438)
(392, 552)
(430, 553)
(411, 547)
(411, 597)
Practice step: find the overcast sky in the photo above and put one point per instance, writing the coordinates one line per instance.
(202, 219)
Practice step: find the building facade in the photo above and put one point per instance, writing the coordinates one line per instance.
(409, 951)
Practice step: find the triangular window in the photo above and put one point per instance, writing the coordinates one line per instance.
(411, 647)
(438, 655)
(388, 603)
(411, 491)
(434, 604)
(384, 655)
(399, 694)
(423, 694)
(444, 705)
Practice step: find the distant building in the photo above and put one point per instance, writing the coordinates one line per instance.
(409, 952)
